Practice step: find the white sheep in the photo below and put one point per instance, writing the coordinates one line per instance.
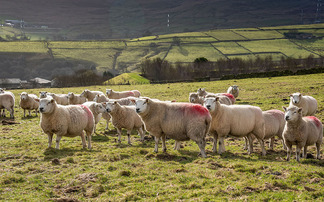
(28, 102)
(203, 93)
(61, 99)
(42, 94)
(308, 103)
(69, 121)
(223, 99)
(7, 101)
(90, 95)
(101, 98)
(234, 120)
(123, 94)
(125, 117)
(74, 99)
(3, 90)
(274, 121)
(178, 121)
(195, 98)
(97, 109)
(301, 131)
(234, 90)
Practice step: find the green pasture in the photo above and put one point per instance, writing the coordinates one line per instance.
(23, 47)
(230, 48)
(127, 78)
(114, 171)
(269, 34)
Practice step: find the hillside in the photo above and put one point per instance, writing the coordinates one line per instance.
(107, 19)
(29, 59)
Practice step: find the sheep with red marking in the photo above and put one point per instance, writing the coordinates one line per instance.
(195, 98)
(7, 101)
(308, 103)
(97, 109)
(125, 117)
(90, 95)
(28, 102)
(74, 99)
(234, 90)
(301, 131)
(178, 121)
(203, 93)
(123, 94)
(234, 120)
(68, 121)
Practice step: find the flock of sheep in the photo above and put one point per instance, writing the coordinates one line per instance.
(206, 113)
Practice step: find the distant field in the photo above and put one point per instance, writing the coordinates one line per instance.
(119, 55)
(114, 171)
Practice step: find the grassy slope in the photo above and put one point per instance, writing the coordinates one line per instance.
(131, 78)
(113, 171)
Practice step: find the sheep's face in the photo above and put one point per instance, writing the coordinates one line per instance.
(235, 88)
(23, 96)
(99, 108)
(108, 91)
(295, 98)
(42, 94)
(84, 93)
(141, 105)
(292, 113)
(210, 103)
(1, 90)
(193, 98)
(46, 105)
(110, 106)
(70, 95)
(201, 91)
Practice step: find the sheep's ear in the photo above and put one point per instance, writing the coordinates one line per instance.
(104, 104)
(147, 100)
(173, 101)
(115, 102)
(290, 95)
(300, 110)
(199, 89)
(203, 89)
(133, 101)
(37, 99)
(284, 108)
(52, 100)
(216, 99)
(300, 94)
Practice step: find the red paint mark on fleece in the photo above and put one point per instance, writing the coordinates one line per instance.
(130, 93)
(230, 96)
(89, 113)
(316, 120)
(196, 108)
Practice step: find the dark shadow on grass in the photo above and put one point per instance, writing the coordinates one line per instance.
(99, 138)
(29, 117)
(51, 153)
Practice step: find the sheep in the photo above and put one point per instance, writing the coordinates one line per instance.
(234, 90)
(274, 121)
(69, 121)
(97, 109)
(308, 103)
(101, 98)
(3, 90)
(224, 98)
(195, 98)
(61, 99)
(203, 93)
(28, 102)
(42, 94)
(7, 101)
(117, 95)
(90, 95)
(125, 117)
(74, 99)
(178, 121)
(235, 120)
(301, 131)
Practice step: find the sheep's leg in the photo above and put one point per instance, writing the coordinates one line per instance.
(119, 135)
(284, 145)
(84, 145)
(201, 145)
(246, 143)
(271, 143)
(89, 139)
(318, 148)
(129, 136)
(29, 113)
(304, 154)
(289, 148)
(107, 123)
(177, 145)
(11, 111)
(58, 139)
(264, 152)
(94, 128)
(50, 137)
(141, 133)
(250, 143)
(24, 112)
(221, 148)
(298, 149)
(163, 143)
(157, 139)
(36, 111)
(215, 142)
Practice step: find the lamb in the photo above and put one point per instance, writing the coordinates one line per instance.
(97, 109)
(69, 121)
(3, 90)
(234, 120)
(125, 117)
(301, 131)
(234, 90)
(178, 121)
(74, 99)
(61, 99)
(195, 98)
(274, 125)
(28, 102)
(308, 103)
(7, 101)
(123, 94)
(90, 95)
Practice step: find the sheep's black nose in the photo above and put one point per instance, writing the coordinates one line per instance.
(208, 106)
(137, 110)
(41, 109)
(287, 118)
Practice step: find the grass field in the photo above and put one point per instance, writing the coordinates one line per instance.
(120, 172)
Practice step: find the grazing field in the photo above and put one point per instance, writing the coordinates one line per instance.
(114, 171)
